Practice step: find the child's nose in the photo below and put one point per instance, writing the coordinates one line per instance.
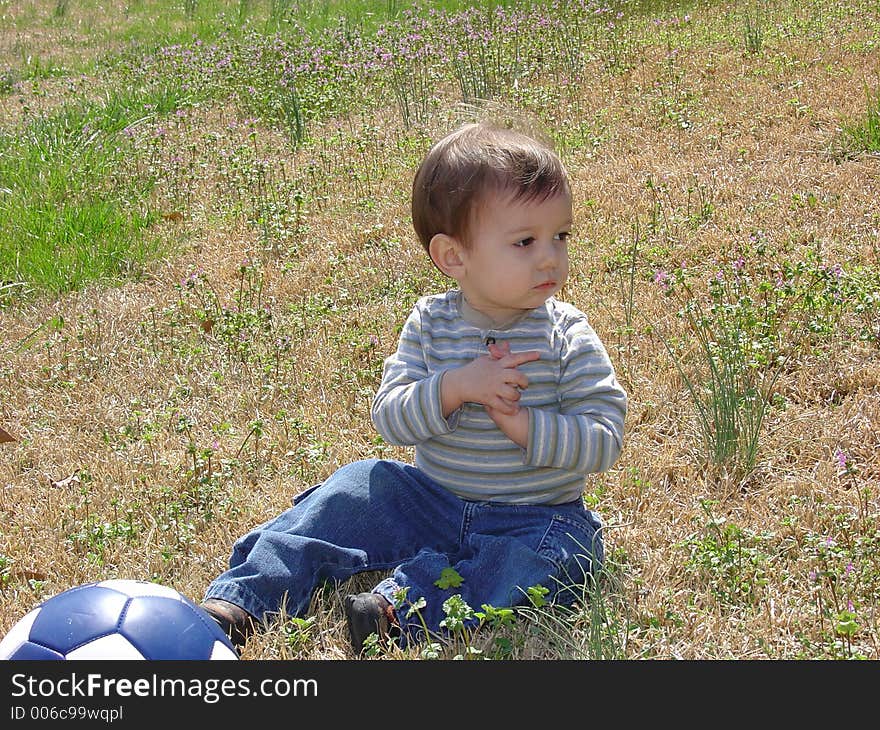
(549, 257)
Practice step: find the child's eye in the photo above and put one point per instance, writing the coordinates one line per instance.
(523, 242)
(563, 235)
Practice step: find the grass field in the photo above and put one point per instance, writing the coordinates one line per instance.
(206, 253)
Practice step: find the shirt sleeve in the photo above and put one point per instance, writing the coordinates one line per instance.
(406, 409)
(585, 434)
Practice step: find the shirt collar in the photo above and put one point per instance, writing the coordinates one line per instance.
(484, 321)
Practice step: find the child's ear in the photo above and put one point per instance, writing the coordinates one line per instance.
(445, 253)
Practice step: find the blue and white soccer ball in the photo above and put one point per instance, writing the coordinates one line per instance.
(117, 619)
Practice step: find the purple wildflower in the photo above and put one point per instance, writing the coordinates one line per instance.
(661, 279)
(842, 461)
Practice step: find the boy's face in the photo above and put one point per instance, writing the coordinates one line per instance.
(517, 256)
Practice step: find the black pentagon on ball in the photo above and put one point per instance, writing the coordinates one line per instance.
(29, 650)
(168, 628)
(67, 621)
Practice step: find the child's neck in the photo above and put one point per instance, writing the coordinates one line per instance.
(486, 320)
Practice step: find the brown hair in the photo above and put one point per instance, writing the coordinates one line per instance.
(478, 158)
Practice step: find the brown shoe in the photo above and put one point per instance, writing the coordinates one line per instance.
(236, 623)
(366, 614)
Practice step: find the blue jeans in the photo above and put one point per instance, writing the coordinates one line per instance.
(375, 515)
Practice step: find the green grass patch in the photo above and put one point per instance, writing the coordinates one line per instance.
(864, 134)
(69, 214)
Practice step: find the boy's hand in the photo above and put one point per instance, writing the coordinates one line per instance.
(492, 380)
(515, 426)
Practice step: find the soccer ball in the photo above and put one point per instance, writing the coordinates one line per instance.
(117, 619)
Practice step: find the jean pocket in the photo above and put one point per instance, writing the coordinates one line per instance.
(573, 544)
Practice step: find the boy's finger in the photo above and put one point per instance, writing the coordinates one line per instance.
(510, 394)
(515, 359)
(499, 349)
(515, 377)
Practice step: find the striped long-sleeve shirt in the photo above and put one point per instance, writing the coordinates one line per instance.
(575, 405)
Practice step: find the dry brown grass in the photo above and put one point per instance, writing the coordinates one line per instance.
(79, 398)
